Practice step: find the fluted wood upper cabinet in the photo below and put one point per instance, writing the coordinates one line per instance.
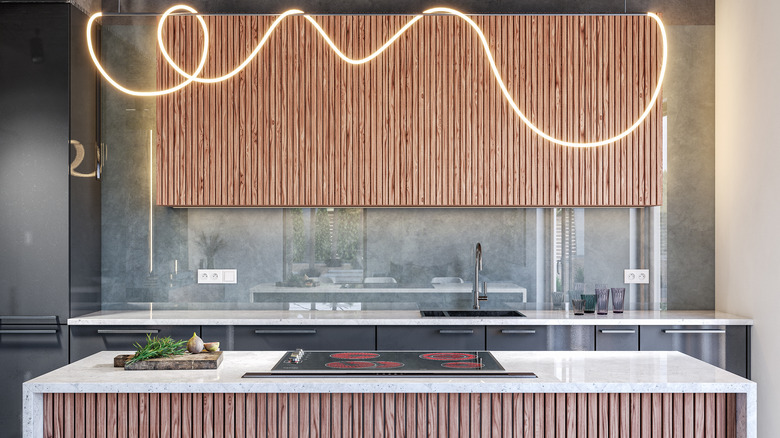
(423, 124)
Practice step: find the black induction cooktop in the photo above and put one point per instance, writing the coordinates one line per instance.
(388, 363)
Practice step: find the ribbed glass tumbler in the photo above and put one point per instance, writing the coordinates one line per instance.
(602, 301)
(618, 298)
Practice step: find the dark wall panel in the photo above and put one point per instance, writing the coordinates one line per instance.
(33, 159)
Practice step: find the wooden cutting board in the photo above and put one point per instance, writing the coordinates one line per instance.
(200, 361)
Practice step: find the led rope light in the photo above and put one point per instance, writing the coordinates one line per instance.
(237, 69)
(189, 80)
(369, 57)
(78, 159)
(522, 116)
(485, 45)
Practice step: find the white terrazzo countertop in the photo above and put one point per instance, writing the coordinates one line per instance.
(570, 372)
(399, 317)
(558, 372)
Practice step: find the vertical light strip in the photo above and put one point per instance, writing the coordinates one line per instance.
(151, 200)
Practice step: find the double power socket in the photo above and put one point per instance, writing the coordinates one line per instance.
(217, 276)
(636, 276)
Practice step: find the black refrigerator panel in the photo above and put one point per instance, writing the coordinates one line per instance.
(84, 186)
(27, 351)
(34, 132)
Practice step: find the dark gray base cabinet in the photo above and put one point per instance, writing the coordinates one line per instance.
(284, 338)
(430, 337)
(723, 346)
(540, 338)
(88, 340)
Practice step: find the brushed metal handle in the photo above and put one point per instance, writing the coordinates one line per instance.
(694, 331)
(618, 331)
(287, 332)
(456, 332)
(26, 318)
(518, 332)
(28, 332)
(128, 332)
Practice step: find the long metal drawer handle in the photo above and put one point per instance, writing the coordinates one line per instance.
(28, 332)
(618, 331)
(286, 332)
(456, 332)
(128, 332)
(670, 331)
(26, 318)
(518, 332)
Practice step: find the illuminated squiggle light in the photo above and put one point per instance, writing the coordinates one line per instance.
(485, 45)
(237, 69)
(189, 80)
(80, 154)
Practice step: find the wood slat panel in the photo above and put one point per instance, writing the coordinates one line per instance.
(325, 415)
(423, 124)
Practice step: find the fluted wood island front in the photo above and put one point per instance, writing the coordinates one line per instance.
(587, 394)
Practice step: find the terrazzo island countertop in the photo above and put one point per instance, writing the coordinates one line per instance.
(399, 317)
(557, 372)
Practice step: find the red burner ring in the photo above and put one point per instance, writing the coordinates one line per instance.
(449, 356)
(350, 365)
(354, 355)
(388, 364)
(463, 365)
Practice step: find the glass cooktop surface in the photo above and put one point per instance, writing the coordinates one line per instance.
(387, 363)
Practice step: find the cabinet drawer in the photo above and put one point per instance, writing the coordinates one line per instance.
(88, 340)
(723, 346)
(707, 343)
(247, 338)
(617, 338)
(430, 338)
(540, 338)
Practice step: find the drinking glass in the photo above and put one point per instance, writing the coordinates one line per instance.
(618, 296)
(579, 306)
(590, 302)
(602, 299)
(557, 300)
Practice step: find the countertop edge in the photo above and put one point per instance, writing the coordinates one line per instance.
(411, 318)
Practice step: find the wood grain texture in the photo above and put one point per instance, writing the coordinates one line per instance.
(202, 361)
(390, 415)
(423, 124)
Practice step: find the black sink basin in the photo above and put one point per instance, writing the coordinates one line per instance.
(471, 313)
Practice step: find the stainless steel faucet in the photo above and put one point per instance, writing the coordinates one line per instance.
(478, 267)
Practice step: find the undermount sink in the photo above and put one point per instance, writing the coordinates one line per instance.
(471, 313)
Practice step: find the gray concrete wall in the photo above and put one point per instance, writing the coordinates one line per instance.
(393, 236)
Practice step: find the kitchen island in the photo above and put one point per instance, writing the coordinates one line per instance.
(574, 394)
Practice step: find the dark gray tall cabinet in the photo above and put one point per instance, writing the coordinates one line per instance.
(49, 218)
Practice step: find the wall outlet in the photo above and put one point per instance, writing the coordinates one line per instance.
(636, 276)
(217, 276)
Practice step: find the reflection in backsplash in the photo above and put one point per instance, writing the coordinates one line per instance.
(328, 259)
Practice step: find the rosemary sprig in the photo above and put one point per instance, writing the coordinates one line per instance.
(157, 347)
